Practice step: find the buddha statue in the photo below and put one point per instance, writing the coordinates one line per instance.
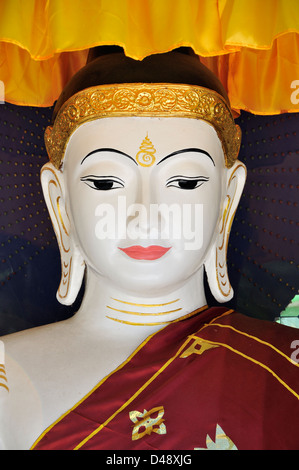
(142, 185)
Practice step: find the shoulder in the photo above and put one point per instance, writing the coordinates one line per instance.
(31, 360)
(29, 354)
(28, 342)
(270, 345)
(265, 332)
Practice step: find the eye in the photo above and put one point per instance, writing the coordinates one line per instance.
(103, 183)
(186, 182)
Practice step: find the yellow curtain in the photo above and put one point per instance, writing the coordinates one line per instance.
(253, 46)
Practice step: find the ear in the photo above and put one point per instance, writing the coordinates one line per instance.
(72, 263)
(215, 264)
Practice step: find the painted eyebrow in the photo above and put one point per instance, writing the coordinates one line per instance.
(109, 150)
(177, 152)
(186, 151)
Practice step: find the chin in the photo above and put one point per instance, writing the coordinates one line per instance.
(146, 289)
(157, 283)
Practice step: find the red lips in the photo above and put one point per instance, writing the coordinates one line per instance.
(149, 253)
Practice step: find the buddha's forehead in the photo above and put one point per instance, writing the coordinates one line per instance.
(147, 140)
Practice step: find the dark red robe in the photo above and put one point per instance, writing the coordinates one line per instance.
(215, 380)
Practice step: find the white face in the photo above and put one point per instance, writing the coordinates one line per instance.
(111, 165)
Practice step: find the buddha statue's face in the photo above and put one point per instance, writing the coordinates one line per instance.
(144, 197)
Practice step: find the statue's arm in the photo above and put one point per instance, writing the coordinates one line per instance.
(12, 431)
(5, 426)
(21, 416)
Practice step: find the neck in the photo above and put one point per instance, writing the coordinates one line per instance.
(107, 306)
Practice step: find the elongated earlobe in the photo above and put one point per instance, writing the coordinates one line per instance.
(72, 263)
(216, 263)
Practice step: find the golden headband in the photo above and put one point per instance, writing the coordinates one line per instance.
(150, 100)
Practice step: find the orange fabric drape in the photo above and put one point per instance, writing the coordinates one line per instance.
(252, 46)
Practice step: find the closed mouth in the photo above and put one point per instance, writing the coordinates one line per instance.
(146, 253)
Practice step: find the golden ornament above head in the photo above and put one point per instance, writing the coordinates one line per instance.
(172, 84)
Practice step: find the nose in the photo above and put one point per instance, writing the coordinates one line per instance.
(143, 215)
